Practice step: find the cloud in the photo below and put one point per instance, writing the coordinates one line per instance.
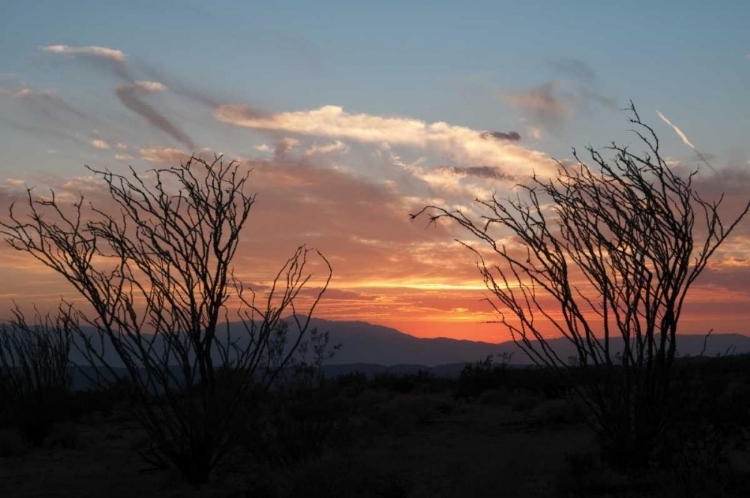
(107, 59)
(575, 68)
(550, 105)
(90, 51)
(544, 102)
(461, 144)
(587, 83)
(284, 146)
(512, 136)
(121, 146)
(131, 97)
(150, 86)
(337, 146)
(43, 103)
(100, 144)
(485, 172)
(164, 155)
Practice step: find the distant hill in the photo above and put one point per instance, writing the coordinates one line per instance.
(365, 343)
(373, 349)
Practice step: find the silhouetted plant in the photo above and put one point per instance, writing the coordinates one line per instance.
(404, 383)
(35, 373)
(477, 377)
(609, 252)
(155, 269)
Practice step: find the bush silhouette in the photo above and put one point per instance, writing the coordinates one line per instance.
(156, 271)
(604, 254)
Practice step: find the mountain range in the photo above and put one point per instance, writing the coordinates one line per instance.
(365, 343)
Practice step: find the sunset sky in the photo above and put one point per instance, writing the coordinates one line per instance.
(355, 114)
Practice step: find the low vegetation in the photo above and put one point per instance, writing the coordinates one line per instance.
(418, 435)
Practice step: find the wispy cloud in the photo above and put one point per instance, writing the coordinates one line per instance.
(573, 90)
(575, 68)
(131, 97)
(544, 103)
(90, 51)
(43, 103)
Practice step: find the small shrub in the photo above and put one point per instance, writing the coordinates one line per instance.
(352, 384)
(12, 443)
(496, 397)
(523, 402)
(62, 435)
(584, 475)
(482, 375)
(422, 381)
(556, 412)
(298, 425)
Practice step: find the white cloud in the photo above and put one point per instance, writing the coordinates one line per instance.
(121, 146)
(337, 146)
(461, 144)
(92, 51)
(164, 155)
(100, 144)
(150, 86)
(19, 93)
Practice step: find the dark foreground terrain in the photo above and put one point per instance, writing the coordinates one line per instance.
(391, 436)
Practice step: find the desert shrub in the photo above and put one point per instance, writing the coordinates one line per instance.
(352, 384)
(62, 435)
(400, 383)
(556, 412)
(641, 234)
(12, 442)
(403, 383)
(710, 405)
(296, 425)
(522, 401)
(482, 375)
(35, 374)
(158, 279)
(346, 475)
(540, 381)
(404, 413)
(496, 397)
(583, 474)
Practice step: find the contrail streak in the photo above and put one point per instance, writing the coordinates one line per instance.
(685, 139)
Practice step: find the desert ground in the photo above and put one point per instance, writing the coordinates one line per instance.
(412, 437)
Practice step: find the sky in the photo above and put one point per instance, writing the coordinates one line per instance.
(352, 115)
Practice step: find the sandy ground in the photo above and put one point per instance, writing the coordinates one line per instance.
(407, 445)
